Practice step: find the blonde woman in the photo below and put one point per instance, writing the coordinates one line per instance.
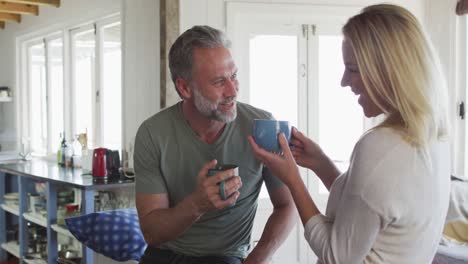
(390, 205)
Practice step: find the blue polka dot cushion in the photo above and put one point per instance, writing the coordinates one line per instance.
(115, 234)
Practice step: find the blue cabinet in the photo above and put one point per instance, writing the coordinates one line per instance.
(21, 178)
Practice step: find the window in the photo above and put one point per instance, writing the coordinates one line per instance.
(340, 118)
(112, 88)
(83, 85)
(275, 85)
(273, 81)
(73, 85)
(45, 87)
(37, 77)
(55, 53)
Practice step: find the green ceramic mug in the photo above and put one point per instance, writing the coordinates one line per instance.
(223, 167)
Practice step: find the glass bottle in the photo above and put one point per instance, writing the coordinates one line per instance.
(63, 150)
(59, 152)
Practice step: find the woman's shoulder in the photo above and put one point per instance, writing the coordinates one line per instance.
(378, 142)
(379, 152)
(381, 135)
(378, 167)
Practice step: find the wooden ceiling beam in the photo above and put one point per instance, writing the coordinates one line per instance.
(10, 17)
(2, 25)
(55, 3)
(22, 9)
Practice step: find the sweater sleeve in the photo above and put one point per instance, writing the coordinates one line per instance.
(348, 238)
(348, 235)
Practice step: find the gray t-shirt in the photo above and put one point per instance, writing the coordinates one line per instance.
(168, 156)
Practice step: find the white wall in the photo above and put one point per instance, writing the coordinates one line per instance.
(140, 65)
(7, 110)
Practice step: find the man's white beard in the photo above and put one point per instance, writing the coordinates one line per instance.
(210, 110)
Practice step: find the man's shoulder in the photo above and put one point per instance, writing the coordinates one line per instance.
(162, 117)
(250, 112)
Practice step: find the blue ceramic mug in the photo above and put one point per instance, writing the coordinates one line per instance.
(266, 132)
(223, 167)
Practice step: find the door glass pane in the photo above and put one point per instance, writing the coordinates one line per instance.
(84, 79)
(56, 90)
(341, 121)
(112, 91)
(38, 100)
(273, 77)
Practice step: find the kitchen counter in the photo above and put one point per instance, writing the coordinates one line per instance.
(51, 171)
(19, 176)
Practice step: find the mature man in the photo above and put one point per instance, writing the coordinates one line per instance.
(182, 215)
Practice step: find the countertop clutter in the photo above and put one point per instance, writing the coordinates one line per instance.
(74, 177)
(35, 198)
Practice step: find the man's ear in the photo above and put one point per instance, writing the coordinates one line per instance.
(183, 87)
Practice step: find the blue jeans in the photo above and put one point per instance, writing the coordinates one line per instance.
(161, 256)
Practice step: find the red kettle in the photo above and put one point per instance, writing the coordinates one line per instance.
(100, 162)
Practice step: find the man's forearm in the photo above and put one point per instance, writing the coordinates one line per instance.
(276, 231)
(167, 224)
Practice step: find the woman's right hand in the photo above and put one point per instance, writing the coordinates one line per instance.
(306, 152)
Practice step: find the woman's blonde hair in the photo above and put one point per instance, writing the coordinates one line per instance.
(400, 71)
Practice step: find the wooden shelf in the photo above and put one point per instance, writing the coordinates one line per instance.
(62, 230)
(6, 99)
(12, 247)
(36, 218)
(14, 209)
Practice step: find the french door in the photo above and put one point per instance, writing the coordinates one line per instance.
(293, 69)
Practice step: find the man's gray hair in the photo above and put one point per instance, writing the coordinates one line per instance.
(181, 52)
